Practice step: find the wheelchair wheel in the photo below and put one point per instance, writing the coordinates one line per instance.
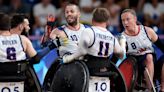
(71, 77)
(50, 75)
(117, 81)
(32, 82)
(129, 70)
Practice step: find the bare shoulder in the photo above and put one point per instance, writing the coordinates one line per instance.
(151, 33)
(58, 29)
(23, 37)
(25, 40)
(149, 29)
(57, 33)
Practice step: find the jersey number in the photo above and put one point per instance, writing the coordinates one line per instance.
(11, 55)
(133, 45)
(101, 87)
(101, 48)
(74, 37)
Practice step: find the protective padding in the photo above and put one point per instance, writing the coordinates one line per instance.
(129, 69)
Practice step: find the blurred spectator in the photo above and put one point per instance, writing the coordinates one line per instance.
(87, 7)
(16, 6)
(137, 5)
(30, 2)
(60, 12)
(3, 8)
(56, 3)
(40, 13)
(152, 12)
(41, 10)
(74, 1)
(123, 5)
(114, 10)
(161, 25)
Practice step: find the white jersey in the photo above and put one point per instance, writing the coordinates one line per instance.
(11, 48)
(73, 40)
(97, 42)
(103, 42)
(139, 44)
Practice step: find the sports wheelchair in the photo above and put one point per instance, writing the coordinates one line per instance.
(134, 77)
(76, 77)
(129, 70)
(18, 76)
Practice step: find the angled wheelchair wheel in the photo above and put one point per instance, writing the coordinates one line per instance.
(129, 71)
(50, 75)
(118, 83)
(32, 82)
(71, 77)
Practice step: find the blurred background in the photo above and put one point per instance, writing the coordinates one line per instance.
(149, 12)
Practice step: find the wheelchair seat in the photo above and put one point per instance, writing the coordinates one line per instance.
(18, 73)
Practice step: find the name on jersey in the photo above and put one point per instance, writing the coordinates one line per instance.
(9, 42)
(101, 36)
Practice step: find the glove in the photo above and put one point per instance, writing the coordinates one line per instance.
(66, 59)
(51, 21)
(55, 43)
(60, 60)
(52, 45)
(51, 24)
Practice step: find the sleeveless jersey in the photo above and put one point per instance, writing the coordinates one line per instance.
(73, 39)
(103, 43)
(11, 48)
(139, 44)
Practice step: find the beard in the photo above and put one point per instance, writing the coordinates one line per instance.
(25, 33)
(73, 22)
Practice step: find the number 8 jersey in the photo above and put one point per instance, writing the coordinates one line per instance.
(11, 48)
(139, 44)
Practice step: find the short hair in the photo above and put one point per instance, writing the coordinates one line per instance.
(101, 15)
(4, 21)
(71, 4)
(17, 19)
(130, 11)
